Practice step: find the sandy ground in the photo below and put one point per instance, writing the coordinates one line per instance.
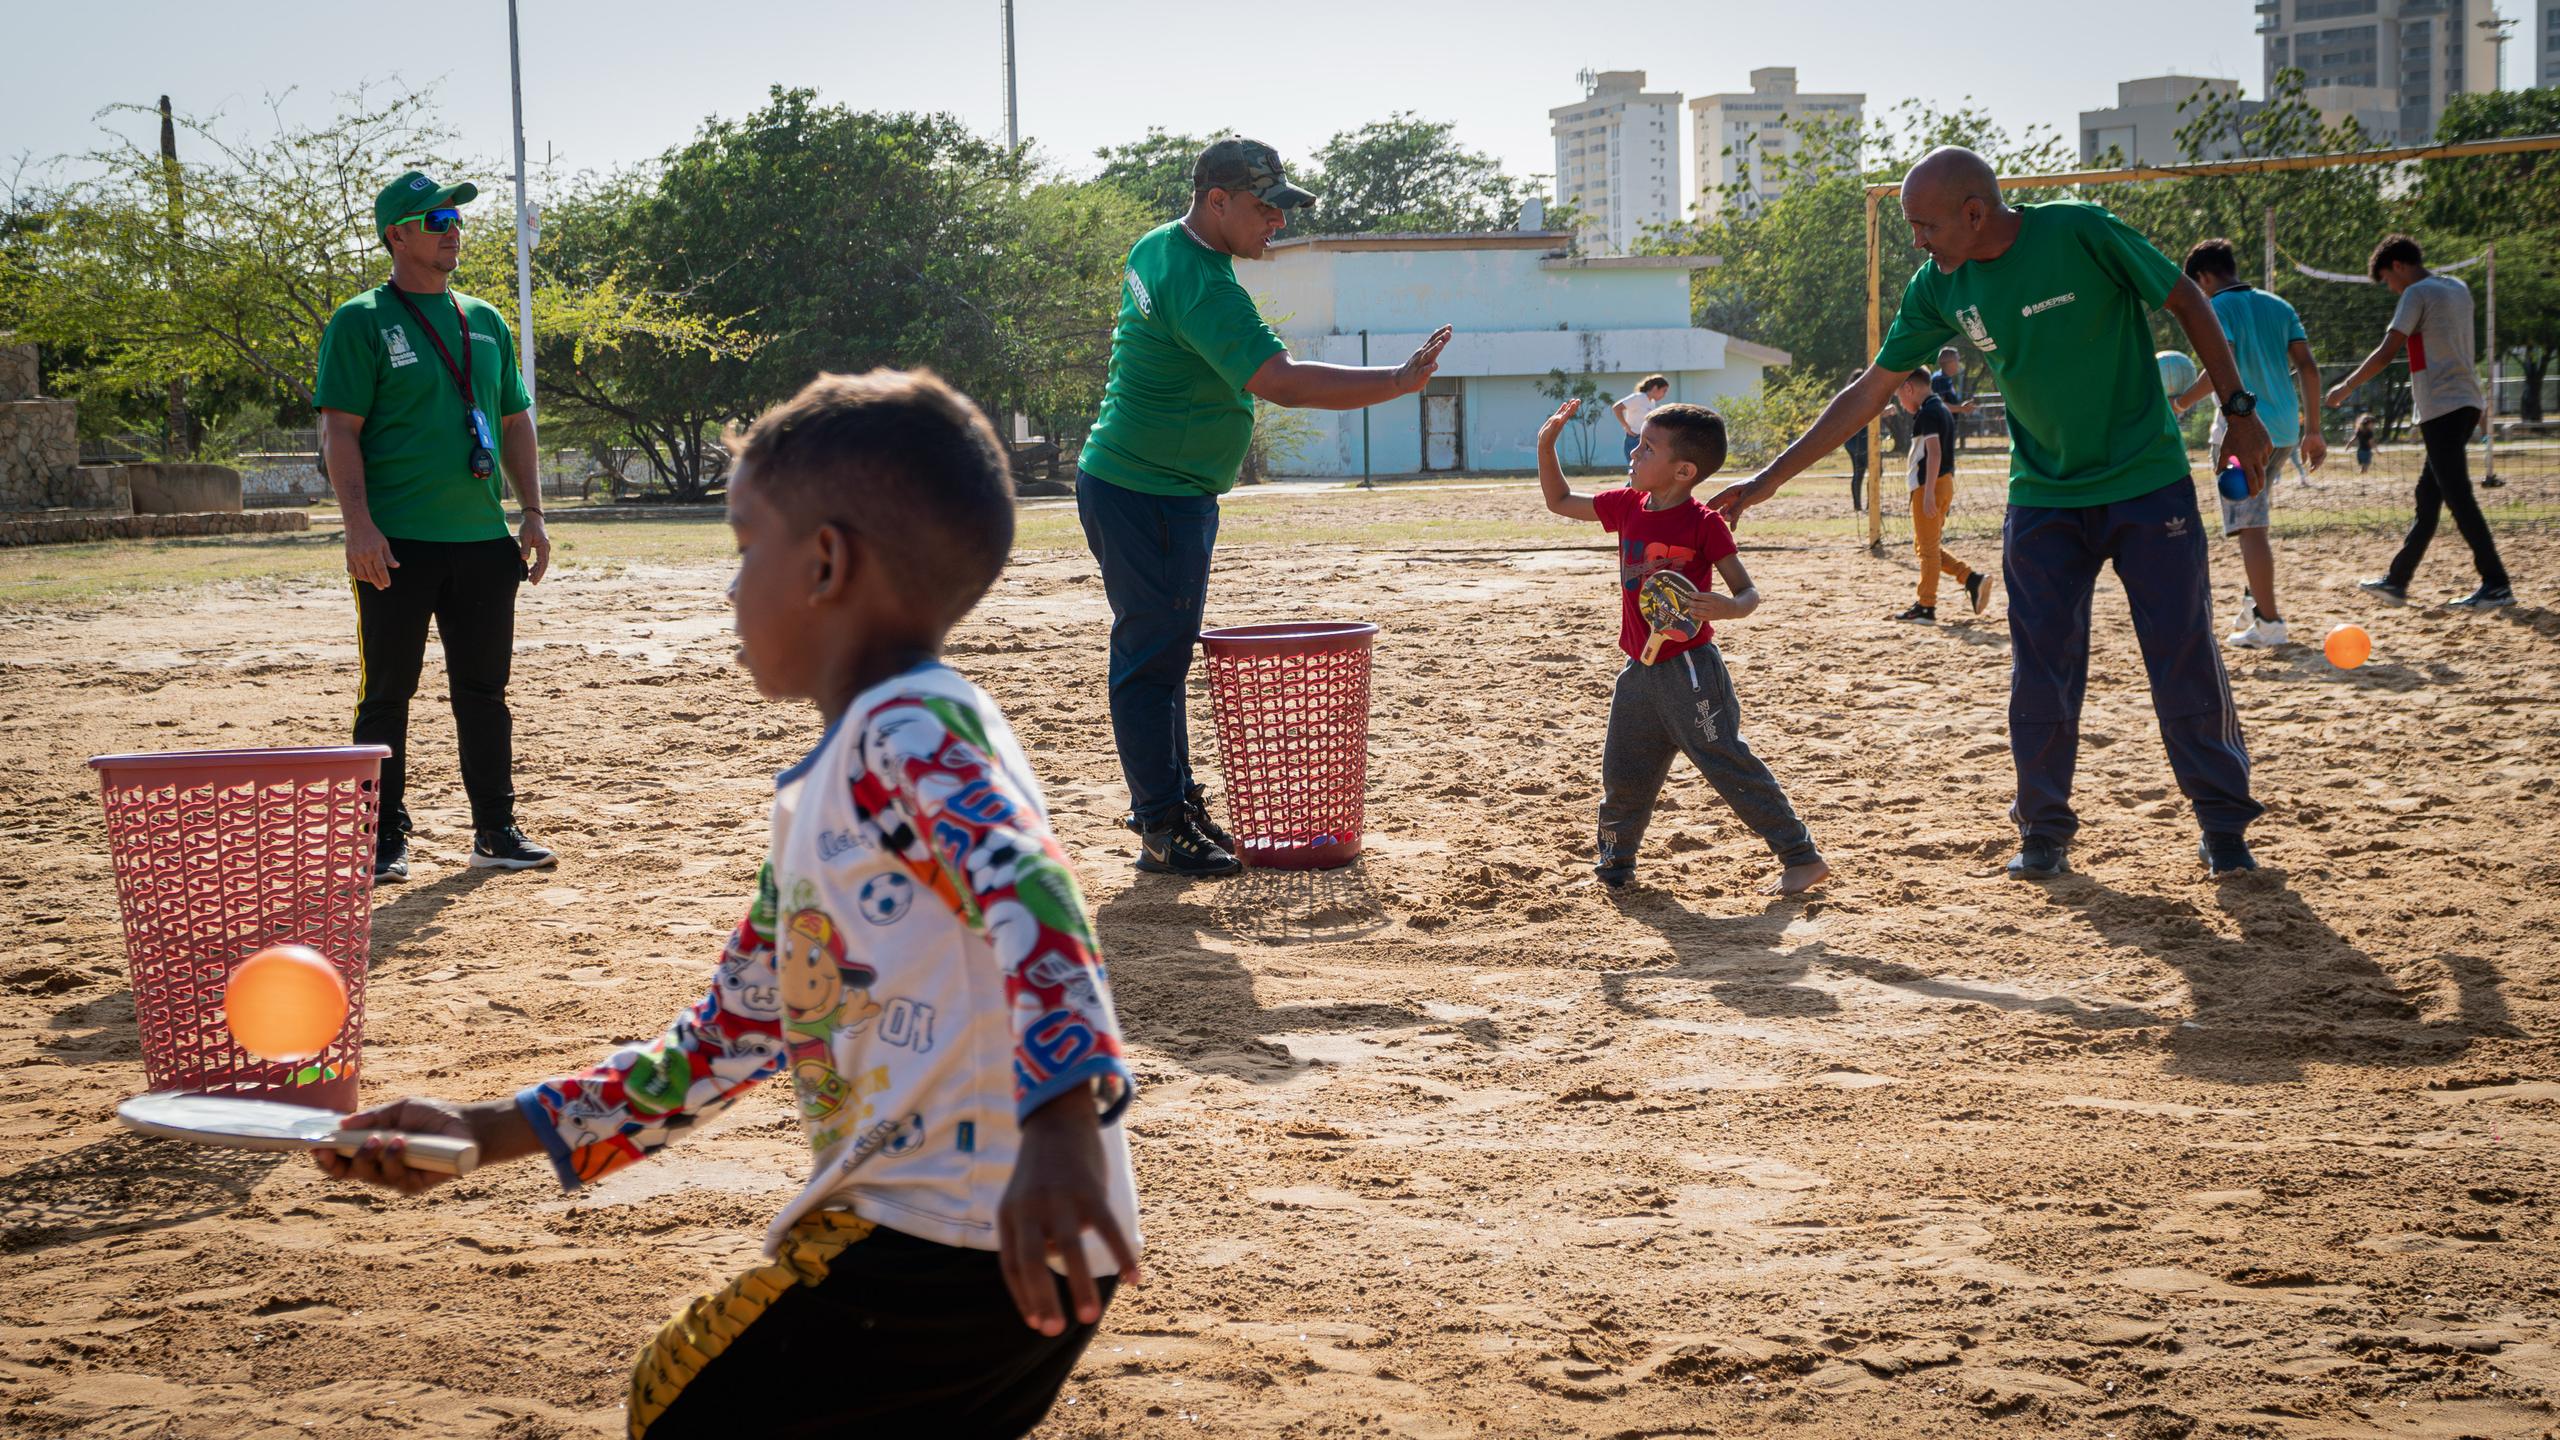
(1451, 1143)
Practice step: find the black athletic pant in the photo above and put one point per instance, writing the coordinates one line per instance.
(469, 589)
(2445, 484)
(902, 1337)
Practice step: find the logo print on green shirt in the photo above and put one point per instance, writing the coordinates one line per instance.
(395, 341)
(1138, 292)
(1970, 317)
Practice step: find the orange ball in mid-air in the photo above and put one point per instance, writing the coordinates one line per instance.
(287, 1002)
(2348, 646)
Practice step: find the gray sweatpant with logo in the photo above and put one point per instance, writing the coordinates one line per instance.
(1685, 706)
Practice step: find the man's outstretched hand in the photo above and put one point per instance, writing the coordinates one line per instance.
(1419, 367)
(1739, 496)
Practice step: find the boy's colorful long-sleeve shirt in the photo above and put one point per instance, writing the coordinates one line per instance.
(916, 955)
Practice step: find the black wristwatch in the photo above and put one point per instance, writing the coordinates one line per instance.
(2239, 403)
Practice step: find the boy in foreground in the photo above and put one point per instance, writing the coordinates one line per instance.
(916, 956)
(1683, 702)
(1933, 493)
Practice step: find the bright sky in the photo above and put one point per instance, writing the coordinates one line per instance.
(610, 83)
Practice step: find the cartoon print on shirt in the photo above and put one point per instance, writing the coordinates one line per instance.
(825, 995)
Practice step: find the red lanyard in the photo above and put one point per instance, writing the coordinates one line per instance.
(461, 374)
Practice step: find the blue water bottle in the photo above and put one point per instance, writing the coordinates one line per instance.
(2234, 482)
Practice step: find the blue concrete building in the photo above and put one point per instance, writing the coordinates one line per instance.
(1523, 307)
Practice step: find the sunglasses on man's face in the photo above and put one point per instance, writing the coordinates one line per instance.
(436, 222)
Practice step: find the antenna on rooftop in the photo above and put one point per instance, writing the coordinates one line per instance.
(1589, 80)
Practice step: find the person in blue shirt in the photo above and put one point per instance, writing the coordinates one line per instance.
(2275, 363)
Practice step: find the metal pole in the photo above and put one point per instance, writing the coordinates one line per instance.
(2489, 427)
(2267, 227)
(524, 218)
(1875, 340)
(1012, 99)
(2272, 165)
(181, 429)
(1364, 420)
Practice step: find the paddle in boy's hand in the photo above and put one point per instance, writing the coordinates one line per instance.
(1666, 600)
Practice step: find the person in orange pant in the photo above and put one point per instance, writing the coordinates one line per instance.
(1933, 491)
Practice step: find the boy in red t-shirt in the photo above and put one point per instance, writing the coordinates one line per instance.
(1683, 703)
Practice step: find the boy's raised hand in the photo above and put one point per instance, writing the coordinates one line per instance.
(1060, 1189)
(1555, 423)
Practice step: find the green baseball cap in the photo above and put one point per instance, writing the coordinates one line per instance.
(1234, 163)
(415, 194)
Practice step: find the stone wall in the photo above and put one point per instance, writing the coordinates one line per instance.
(17, 370)
(174, 488)
(39, 439)
(68, 529)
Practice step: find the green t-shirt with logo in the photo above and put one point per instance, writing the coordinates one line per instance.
(2060, 317)
(416, 438)
(1175, 417)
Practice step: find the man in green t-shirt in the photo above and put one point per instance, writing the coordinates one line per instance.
(2055, 298)
(1189, 355)
(421, 403)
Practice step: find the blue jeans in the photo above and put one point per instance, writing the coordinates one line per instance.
(1154, 551)
(2051, 557)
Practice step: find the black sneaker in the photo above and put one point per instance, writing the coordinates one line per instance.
(2039, 857)
(1615, 868)
(2388, 588)
(2225, 852)
(1978, 585)
(2487, 597)
(1177, 847)
(1924, 614)
(505, 848)
(1195, 803)
(390, 857)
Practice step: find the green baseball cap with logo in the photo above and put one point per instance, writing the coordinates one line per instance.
(1234, 163)
(415, 194)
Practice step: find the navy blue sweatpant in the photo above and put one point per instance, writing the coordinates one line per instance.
(1154, 551)
(2051, 558)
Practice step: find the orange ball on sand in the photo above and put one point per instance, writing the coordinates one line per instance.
(2348, 646)
(287, 1002)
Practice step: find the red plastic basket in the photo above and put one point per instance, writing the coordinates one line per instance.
(219, 854)
(1292, 709)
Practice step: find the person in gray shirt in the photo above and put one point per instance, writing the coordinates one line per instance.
(2433, 323)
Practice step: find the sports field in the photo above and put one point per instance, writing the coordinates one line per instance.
(1451, 1143)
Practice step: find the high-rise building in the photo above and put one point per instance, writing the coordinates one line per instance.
(2543, 43)
(2389, 63)
(1734, 135)
(2143, 127)
(1618, 158)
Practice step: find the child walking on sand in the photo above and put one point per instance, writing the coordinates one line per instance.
(1682, 703)
(916, 956)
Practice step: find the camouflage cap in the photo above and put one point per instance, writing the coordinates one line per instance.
(1234, 163)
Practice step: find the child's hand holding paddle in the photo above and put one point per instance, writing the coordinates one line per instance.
(496, 1126)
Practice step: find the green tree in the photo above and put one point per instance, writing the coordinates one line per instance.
(1405, 173)
(271, 234)
(1154, 171)
(2515, 201)
(845, 240)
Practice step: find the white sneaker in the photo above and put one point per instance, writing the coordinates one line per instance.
(2247, 618)
(2257, 634)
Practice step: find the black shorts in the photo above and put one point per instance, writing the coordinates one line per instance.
(856, 1330)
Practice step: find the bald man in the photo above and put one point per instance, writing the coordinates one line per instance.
(2054, 298)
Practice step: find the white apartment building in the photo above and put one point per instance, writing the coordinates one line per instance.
(1734, 134)
(2390, 63)
(2542, 43)
(1618, 159)
(2143, 127)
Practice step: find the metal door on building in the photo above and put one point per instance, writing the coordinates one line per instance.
(1443, 447)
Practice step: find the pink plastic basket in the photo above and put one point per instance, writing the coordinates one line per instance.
(219, 854)
(1292, 709)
